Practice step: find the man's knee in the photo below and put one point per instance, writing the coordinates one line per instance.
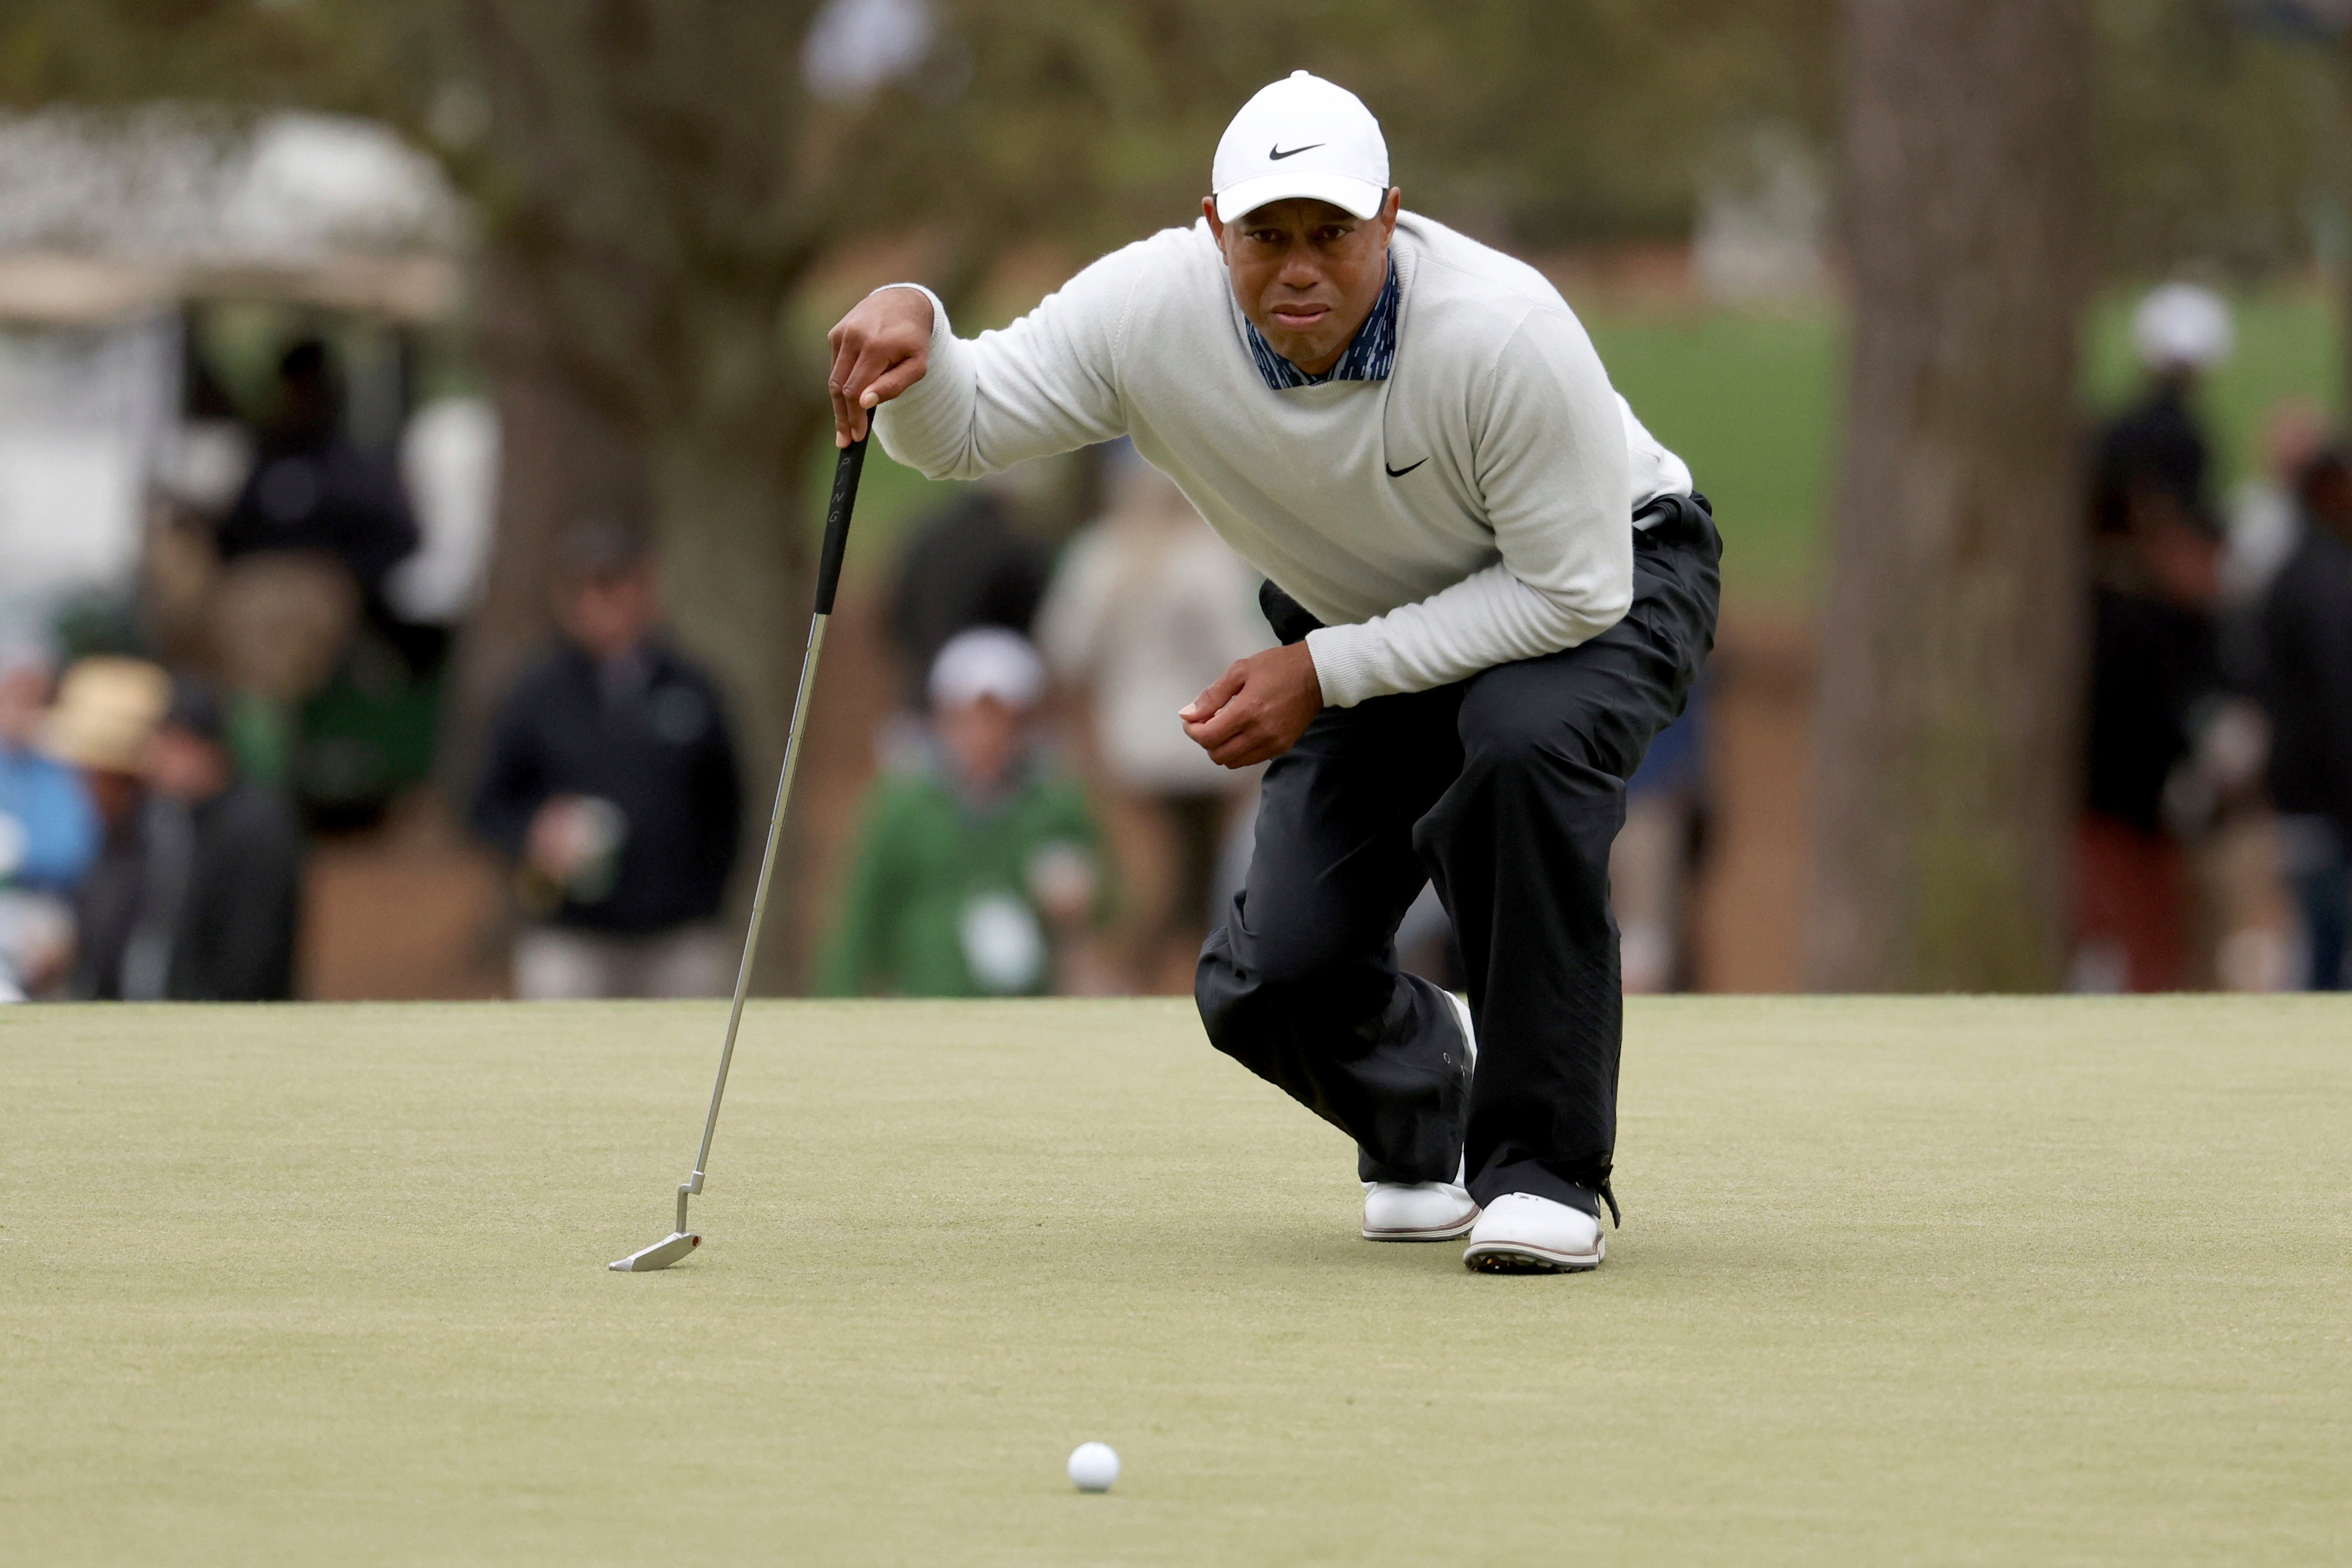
(1249, 984)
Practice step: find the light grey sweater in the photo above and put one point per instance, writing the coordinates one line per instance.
(1471, 509)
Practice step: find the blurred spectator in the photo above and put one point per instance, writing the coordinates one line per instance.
(305, 552)
(2155, 667)
(195, 896)
(107, 709)
(48, 824)
(49, 833)
(965, 565)
(2153, 460)
(221, 903)
(281, 624)
(2248, 908)
(1655, 862)
(2264, 517)
(312, 490)
(1148, 608)
(972, 871)
(2305, 681)
(610, 784)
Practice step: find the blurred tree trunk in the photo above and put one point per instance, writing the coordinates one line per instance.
(560, 460)
(737, 571)
(1948, 712)
(2344, 194)
(653, 212)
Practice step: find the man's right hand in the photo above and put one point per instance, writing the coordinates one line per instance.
(879, 350)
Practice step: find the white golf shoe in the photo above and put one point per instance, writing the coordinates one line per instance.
(1417, 1211)
(1521, 1233)
(1425, 1210)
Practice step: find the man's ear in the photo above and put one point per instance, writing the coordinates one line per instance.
(1216, 229)
(1389, 204)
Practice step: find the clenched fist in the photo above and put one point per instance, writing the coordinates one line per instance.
(1258, 709)
(879, 350)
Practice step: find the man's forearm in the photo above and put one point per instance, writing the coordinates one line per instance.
(1488, 619)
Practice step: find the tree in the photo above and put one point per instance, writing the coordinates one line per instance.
(1946, 773)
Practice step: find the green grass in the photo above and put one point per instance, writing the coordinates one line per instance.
(1924, 1280)
(1752, 401)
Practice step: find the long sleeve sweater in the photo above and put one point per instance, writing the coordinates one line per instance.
(1471, 509)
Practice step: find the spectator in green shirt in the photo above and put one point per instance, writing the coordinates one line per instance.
(977, 875)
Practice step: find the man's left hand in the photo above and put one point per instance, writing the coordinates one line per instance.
(1258, 709)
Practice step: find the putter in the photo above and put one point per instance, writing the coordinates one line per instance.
(681, 1241)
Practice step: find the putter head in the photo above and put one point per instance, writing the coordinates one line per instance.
(660, 1255)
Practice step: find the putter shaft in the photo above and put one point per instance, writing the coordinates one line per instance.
(693, 1183)
(852, 461)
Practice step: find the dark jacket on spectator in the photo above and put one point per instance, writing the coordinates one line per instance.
(2152, 664)
(2306, 680)
(2154, 449)
(194, 903)
(644, 732)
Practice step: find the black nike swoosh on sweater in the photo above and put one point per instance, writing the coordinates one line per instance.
(1275, 153)
(1401, 473)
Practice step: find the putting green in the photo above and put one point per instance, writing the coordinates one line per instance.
(1928, 1281)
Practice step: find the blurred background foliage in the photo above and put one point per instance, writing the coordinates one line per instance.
(671, 199)
(2219, 122)
(685, 202)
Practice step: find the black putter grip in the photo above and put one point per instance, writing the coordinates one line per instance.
(836, 521)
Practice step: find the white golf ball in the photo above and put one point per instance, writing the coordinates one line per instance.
(1093, 1466)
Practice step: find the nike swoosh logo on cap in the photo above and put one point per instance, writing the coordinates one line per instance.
(1401, 473)
(1277, 154)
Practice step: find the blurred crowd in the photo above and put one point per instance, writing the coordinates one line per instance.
(1040, 822)
(152, 825)
(1035, 821)
(2216, 836)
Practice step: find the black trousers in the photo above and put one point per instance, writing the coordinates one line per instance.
(1507, 791)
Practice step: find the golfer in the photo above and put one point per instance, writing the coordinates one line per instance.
(1491, 588)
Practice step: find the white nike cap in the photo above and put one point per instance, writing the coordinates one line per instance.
(1301, 136)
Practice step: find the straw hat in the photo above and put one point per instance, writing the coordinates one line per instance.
(106, 709)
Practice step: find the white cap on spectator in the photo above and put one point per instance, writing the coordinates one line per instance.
(2181, 327)
(1301, 136)
(987, 661)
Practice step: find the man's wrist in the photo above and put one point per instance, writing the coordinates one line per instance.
(937, 311)
(1314, 677)
(1343, 665)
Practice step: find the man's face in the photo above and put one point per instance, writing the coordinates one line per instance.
(983, 738)
(1306, 273)
(186, 764)
(24, 692)
(115, 793)
(2327, 496)
(610, 616)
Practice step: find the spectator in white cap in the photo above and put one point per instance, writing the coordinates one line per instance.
(1491, 587)
(2155, 669)
(2153, 458)
(977, 875)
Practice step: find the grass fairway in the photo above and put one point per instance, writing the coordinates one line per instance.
(1906, 1281)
